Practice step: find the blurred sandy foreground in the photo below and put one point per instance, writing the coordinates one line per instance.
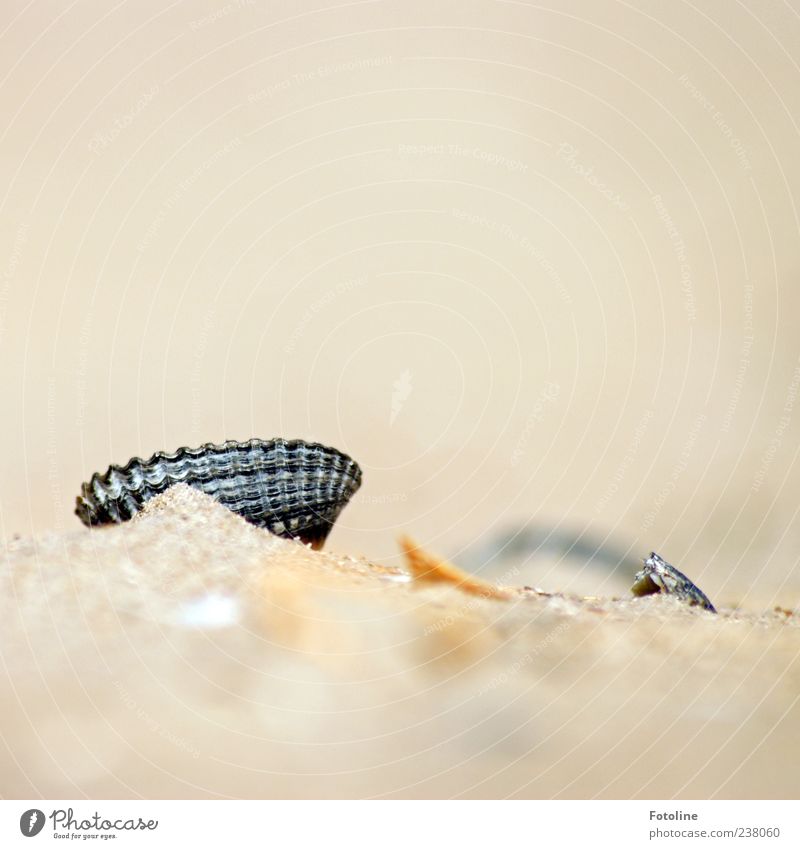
(189, 654)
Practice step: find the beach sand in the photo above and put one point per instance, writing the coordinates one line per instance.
(189, 654)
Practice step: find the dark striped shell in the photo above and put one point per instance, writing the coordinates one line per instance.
(292, 488)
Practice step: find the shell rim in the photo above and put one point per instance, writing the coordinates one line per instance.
(255, 442)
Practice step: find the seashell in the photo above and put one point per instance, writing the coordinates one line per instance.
(292, 488)
(660, 576)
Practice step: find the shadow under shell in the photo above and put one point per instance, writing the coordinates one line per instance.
(292, 488)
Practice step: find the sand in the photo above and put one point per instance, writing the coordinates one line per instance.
(189, 654)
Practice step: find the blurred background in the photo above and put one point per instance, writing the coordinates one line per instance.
(535, 269)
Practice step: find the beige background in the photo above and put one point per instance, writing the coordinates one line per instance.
(522, 264)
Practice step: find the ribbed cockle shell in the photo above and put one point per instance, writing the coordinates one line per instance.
(292, 488)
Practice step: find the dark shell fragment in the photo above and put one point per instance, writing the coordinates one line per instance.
(292, 488)
(660, 576)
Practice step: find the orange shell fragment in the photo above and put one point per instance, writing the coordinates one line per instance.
(425, 567)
